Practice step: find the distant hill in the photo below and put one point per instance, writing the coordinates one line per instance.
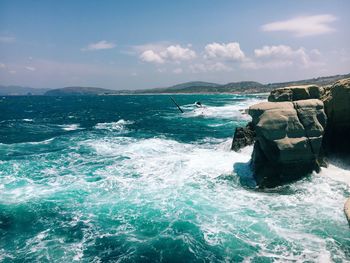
(20, 91)
(188, 87)
(240, 87)
(79, 91)
(205, 87)
(321, 81)
(193, 84)
(180, 88)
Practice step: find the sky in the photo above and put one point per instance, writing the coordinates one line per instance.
(147, 44)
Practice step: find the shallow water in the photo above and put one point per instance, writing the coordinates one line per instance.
(129, 178)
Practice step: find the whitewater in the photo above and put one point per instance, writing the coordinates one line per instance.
(131, 179)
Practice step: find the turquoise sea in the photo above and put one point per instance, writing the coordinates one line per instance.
(131, 179)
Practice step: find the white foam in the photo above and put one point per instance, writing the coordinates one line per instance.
(70, 127)
(185, 182)
(234, 110)
(337, 173)
(113, 126)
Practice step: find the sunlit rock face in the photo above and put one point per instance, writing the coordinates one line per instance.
(294, 93)
(288, 140)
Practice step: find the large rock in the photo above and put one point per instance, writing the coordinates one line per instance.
(337, 107)
(294, 93)
(288, 140)
(243, 137)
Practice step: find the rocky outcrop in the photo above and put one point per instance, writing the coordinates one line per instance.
(294, 93)
(288, 140)
(243, 137)
(296, 130)
(337, 107)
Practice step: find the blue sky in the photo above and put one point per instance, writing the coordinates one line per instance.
(146, 44)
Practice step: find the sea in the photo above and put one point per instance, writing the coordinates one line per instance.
(132, 179)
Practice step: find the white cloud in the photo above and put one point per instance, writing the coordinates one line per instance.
(152, 57)
(30, 68)
(225, 57)
(160, 54)
(230, 51)
(281, 56)
(303, 25)
(103, 44)
(5, 39)
(157, 46)
(178, 53)
(280, 51)
(2, 65)
(12, 71)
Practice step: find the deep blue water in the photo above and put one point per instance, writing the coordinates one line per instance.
(130, 179)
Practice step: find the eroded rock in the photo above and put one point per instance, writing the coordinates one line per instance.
(288, 140)
(294, 93)
(244, 136)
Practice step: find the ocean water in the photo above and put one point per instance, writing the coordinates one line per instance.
(130, 179)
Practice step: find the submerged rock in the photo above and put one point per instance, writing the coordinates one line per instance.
(294, 93)
(337, 107)
(243, 137)
(288, 140)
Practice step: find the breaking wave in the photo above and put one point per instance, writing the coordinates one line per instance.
(113, 126)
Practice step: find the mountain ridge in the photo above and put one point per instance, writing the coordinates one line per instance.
(187, 88)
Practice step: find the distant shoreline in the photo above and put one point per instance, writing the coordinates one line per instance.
(188, 88)
(143, 94)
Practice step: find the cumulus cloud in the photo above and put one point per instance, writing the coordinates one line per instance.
(281, 56)
(225, 57)
(103, 44)
(229, 51)
(303, 25)
(6, 39)
(172, 53)
(151, 57)
(177, 53)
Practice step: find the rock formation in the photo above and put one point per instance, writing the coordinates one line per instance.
(243, 137)
(295, 130)
(294, 93)
(337, 107)
(288, 140)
